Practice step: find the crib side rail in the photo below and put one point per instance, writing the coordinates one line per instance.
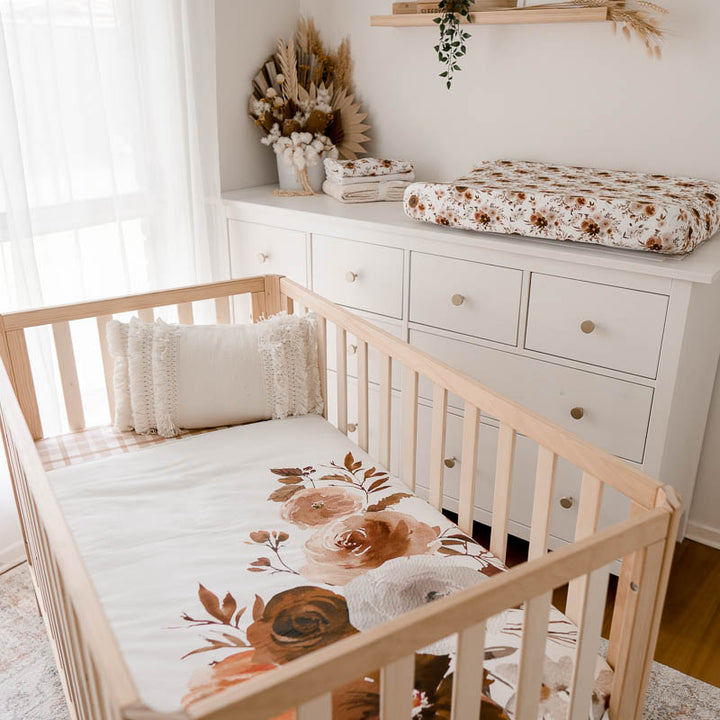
(635, 620)
(93, 673)
(514, 417)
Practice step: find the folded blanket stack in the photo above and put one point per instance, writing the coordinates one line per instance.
(367, 179)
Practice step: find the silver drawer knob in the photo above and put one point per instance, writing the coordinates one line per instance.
(450, 462)
(577, 413)
(457, 300)
(262, 258)
(567, 502)
(350, 276)
(352, 427)
(587, 326)
(352, 349)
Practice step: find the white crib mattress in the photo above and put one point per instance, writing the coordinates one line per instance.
(231, 553)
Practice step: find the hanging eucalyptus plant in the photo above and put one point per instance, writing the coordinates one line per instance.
(452, 37)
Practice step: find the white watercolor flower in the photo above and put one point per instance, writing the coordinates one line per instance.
(406, 583)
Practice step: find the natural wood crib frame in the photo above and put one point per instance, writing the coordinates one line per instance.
(96, 680)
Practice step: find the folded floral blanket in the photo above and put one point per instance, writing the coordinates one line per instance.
(342, 170)
(390, 190)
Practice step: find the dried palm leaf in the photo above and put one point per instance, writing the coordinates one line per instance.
(348, 130)
(287, 60)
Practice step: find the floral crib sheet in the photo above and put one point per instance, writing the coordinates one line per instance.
(235, 552)
(622, 209)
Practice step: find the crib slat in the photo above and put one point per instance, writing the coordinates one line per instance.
(542, 503)
(437, 445)
(318, 709)
(587, 521)
(185, 313)
(23, 381)
(93, 685)
(68, 376)
(468, 467)
(467, 680)
(396, 689)
(322, 359)
(341, 363)
(146, 314)
(501, 496)
(532, 656)
(222, 310)
(362, 360)
(592, 609)
(410, 415)
(107, 361)
(258, 302)
(385, 409)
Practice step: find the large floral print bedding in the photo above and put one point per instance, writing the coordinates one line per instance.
(630, 210)
(233, 553)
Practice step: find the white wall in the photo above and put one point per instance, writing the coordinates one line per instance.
(246, 36)
(567, 93)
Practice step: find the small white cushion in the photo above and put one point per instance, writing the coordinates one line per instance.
(212, 375)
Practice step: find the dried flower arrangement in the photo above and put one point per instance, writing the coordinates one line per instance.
(639, 21)
(303, 101)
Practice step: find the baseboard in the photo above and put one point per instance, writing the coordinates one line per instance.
(11, 556)
(703, 534)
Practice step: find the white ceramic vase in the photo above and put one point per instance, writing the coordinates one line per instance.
(288, 175)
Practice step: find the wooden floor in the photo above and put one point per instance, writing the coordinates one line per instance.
(689, 638)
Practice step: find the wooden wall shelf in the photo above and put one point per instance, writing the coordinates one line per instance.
(501, 17)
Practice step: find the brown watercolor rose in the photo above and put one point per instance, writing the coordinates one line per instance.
(318, 506)
(232, 670)
(346, 548)
(296, 622)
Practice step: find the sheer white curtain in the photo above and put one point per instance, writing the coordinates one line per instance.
(109, 179)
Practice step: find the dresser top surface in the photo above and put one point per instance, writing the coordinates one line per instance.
(319, 212)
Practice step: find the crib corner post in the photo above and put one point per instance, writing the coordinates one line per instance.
(5, 351)
(640, 622)
(272, 296)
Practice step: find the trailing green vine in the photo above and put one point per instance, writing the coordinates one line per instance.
(452, 37)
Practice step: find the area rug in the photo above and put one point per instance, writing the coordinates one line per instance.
(30, 687)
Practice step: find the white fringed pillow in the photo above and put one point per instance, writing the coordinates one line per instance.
(213, 375)
(130, 345)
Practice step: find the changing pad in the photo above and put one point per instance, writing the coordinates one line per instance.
(226, 555)
(616, 208)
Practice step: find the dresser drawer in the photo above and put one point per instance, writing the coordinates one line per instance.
(563, 517)
(602, 325)
(265, 250)
(466, 297)
(613, 414)
(359, 275)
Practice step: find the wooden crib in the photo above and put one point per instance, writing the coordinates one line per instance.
(95, 678)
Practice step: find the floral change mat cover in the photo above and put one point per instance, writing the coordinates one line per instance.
(616, 208)
(232, 553)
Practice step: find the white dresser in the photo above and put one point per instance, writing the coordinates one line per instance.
(620, 347)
